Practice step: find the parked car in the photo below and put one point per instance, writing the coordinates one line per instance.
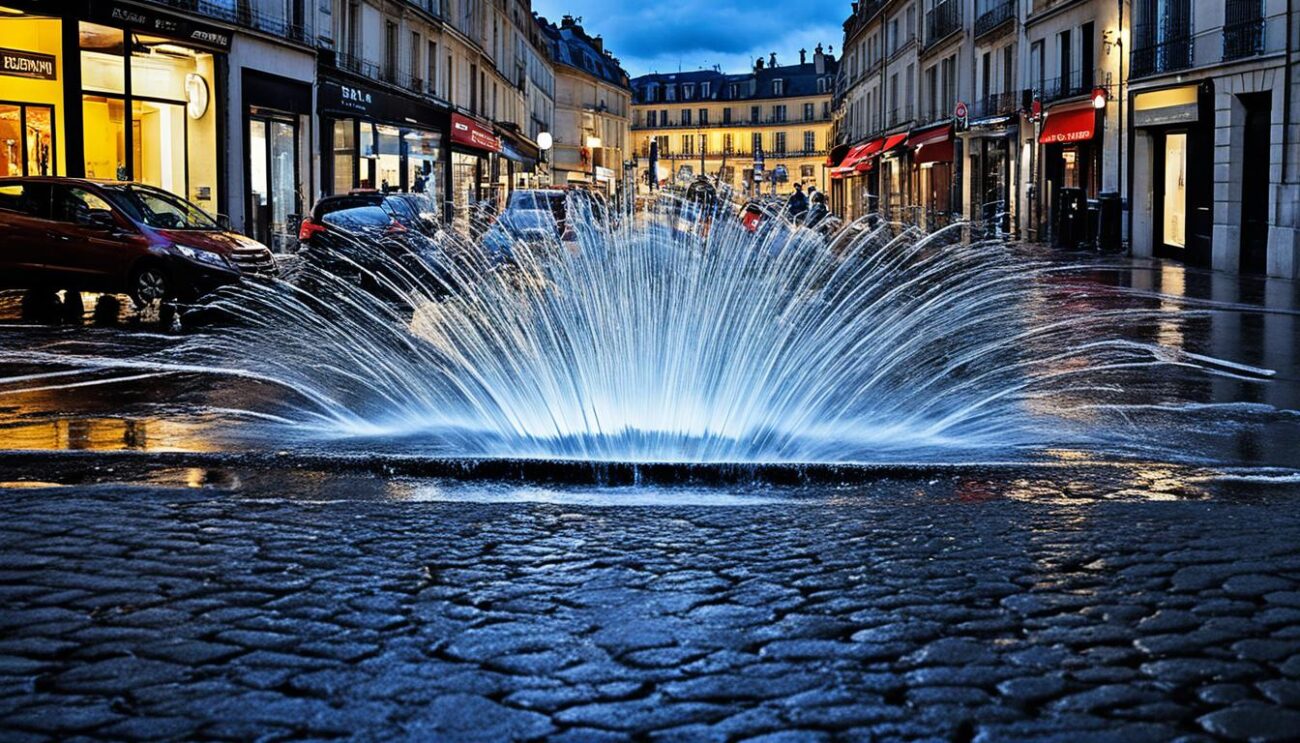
(544, 216)
(117, 238)
(370, 238)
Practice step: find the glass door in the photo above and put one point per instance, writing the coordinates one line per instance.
(1174, 224)
(273, 196)
(26, 140)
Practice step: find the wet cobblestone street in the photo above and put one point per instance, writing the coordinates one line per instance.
(935, 609)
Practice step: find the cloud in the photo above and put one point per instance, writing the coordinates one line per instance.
(689, 34)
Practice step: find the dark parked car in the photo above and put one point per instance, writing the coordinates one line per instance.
(544, 216)
(115, 237)
(370, 237)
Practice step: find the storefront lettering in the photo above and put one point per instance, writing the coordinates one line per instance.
(15, 63)
(353, 95)
(208, 37)
(168, 25)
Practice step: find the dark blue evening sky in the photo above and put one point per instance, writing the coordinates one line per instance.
(667, 35)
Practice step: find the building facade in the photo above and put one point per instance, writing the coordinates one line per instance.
(253, 110)
(592, 110)
(1078, 122)
(760, 131)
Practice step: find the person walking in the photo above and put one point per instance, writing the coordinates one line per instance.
(797, 203)
(818, 211)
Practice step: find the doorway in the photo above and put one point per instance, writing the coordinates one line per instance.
(273, 194)
(1254, 190)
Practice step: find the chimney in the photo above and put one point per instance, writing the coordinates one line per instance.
(771, 62)
(855, 9)
(566, 21)
(759, 64)
(803, 56)
(819, 60)
(599, 43)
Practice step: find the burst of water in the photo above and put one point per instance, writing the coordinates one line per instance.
(680, 336)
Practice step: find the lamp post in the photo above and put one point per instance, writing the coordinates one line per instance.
(544, 143)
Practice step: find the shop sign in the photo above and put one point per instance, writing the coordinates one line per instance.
(356, 99)
(16, 63)
(163, 24)
(467, 131)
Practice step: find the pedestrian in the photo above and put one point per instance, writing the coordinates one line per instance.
(817, 211)
(797, 203)
(812, 191)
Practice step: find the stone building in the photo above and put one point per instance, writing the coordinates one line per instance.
(761, 130)
(592, 109)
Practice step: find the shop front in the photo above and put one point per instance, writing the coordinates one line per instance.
(894, 177)
(277, 141)
(1071, 161)
(148, 101)
(520, 158)
(990, 144)
(31, 94)
(1173, 145)
(374, 139)
(932, 154)
(475, 170)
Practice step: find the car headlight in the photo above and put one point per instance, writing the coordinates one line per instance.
(203, 256)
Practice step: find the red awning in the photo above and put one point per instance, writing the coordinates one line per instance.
(1071, 125)
(932, 146)
(469, 132)
(869, 151)
(893, 141)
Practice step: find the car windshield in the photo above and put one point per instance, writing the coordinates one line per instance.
(528, 219)
(358, 218)
(157, 208)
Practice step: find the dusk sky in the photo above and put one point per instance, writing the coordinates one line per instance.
(688, 35)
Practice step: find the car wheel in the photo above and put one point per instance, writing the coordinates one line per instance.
(149, 284)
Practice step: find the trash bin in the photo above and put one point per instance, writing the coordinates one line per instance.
(1108, 227)
(1091, 222)
(1070, 216)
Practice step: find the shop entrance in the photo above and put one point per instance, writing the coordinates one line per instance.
(274, 199)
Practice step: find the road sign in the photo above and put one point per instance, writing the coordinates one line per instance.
(960, 110)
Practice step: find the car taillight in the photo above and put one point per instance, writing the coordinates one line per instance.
(394, 227)
(309, 228)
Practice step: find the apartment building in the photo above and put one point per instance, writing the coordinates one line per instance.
(592, 109)
(759, 131)
(1213, 146)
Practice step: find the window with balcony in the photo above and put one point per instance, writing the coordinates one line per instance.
(704, 117)
(753, 114)
(727, 146)
(726, 115)
(651, 119)
(778, 113)
(688, 144)
(807, 112)
(1162, 40)
(809, 141)
(686, 117)
(756, 141)
(390, 52)
(1243, 28)
(778, 143)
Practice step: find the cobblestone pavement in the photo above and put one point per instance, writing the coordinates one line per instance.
(897, 610)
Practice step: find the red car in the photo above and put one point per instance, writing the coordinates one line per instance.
(117, 238)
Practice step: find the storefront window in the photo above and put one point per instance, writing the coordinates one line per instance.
(163, 131)
(1070, 178)
(102, 51)
(388, 157)
(464, 176)
(345, 150)
(1175, 201)
(26, 140)
(424, 163)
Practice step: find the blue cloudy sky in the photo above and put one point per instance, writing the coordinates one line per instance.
(665, 35)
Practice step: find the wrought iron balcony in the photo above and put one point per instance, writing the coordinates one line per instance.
(996, 104)
(1243, 29)
(249, 15)
(993, 16)
(1078, 82)
(942, 21)
(1150, 57)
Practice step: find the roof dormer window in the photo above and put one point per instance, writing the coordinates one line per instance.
(670, 92)
(688, 91)
(778, 87)
(704, 90)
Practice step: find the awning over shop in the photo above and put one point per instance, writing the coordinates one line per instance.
(851, 160)
(1070, 125)
(931, 145)
(837, 155)
(864, 161)
(893, 141)
(473, 133)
